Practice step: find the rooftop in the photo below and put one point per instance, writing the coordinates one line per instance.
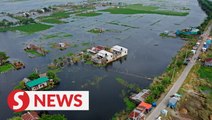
(118, 48)
(146, 105)
(30, 116)
(103, 53)
(37, 81)
(208, 60)
(173, 100)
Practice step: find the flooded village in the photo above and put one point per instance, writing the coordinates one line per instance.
(113, 49)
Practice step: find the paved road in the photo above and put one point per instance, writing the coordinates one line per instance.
(162, 105)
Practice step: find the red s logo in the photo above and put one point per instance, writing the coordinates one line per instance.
(18, 100)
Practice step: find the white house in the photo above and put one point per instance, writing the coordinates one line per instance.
(62, 45)
(102, 57)
(119, 51)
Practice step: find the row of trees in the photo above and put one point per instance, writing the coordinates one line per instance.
(162, 82)
(50, 75)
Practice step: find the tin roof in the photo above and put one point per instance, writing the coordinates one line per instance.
(37, 81)
(145, 105)
(30, 116)
(208, 60)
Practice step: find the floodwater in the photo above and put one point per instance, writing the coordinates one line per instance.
(144, 59)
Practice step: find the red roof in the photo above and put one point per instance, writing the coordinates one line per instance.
(30, 116)
(133, 114)
(208, 60)
(145, 105)
(136, 114)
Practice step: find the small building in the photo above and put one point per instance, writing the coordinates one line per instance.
(136, 114)
(30, 116)
(195, 47)
(26, 14)
(193, 51)
(145, 106)
(62, 45)
(96, 49)
(119, 51)
(208, 62)
(141, 96)
(164, 112)
(188, 31)
(102, 57)
(25, 80)
(209, 42)
(172, 102)
(36, 48)
(37, 84)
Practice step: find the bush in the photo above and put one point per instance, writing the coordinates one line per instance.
(33, 76)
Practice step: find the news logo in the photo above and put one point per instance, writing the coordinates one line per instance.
(19, 100)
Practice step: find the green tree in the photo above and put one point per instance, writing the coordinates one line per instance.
(33, 76)
(51, 75)
(150, 99)
(166, 81)
(3, 58)
(15, 118)
(53, 117)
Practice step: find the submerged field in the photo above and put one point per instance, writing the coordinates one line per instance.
(5, 68)
(89, 14)
(55, 18)
(141, 9)
(30, 28)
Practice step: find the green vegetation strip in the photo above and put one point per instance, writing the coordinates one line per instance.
(29, 28)
(56, 17)
(205, 72)
(33, 52)
(6, 67)
(140, 9)
(89, 14)
(56, 35)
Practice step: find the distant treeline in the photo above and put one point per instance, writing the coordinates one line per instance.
(206, 5)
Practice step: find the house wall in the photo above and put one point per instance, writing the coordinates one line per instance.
(39, 86)
(208, 64)
(109, 57)
(124, 52)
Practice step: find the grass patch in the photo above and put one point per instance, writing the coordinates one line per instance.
(67, 35)
(89, 14)
(55, 18)
(140, 9)
(52, 21)
(33, 52)
(205, 72)
(30, 28)
(96, 30)
(50, 36)
(89, 62)
(205, 88)
(85, 44)
(56, 35)
(165, 35)
(6, 67)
